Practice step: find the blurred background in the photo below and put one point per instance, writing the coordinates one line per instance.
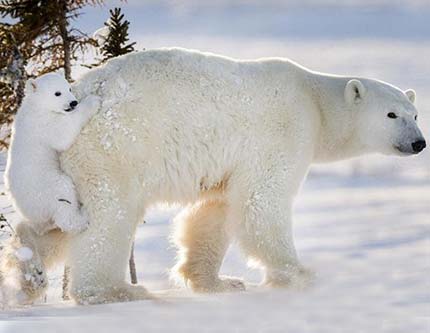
(362, 225)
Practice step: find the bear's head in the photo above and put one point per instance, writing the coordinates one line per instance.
(51, 92)
(386, 117)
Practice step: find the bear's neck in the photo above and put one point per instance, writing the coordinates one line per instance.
(338, 139)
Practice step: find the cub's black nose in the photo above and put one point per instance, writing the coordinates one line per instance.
(73, 104)
(418, 146)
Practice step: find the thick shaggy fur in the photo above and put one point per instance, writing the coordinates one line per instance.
(46, 124)
(202, 237)
(231, 139)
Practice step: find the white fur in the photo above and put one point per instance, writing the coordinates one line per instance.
(44, 126)
(231, 139)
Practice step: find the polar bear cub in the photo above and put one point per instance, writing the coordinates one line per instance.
(46, 124)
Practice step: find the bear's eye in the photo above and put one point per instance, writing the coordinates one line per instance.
(392, 115)
(58, 93)
(416, 117)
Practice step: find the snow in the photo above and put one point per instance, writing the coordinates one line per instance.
(362, 226)
(100, 35)
(24, 254)
(366, 237)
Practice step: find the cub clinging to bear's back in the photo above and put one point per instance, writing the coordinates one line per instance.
(46, 124)
(230, 139)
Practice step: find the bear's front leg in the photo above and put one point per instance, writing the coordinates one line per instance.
(98, 257)
(265, 228)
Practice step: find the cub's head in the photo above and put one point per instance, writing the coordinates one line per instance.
(386, 117)
(51, 92)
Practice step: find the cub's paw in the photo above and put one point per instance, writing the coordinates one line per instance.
(293, 276)
(92, 104)
(74, 224)
(32, 278)
(82, 222)
(80, 225)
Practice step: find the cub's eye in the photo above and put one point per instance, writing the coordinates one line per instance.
(416, 117)
(70, 89)
(58, 93)
(392, 115)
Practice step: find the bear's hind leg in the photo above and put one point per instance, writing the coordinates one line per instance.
(202, 239)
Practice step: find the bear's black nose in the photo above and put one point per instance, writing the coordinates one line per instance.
(73, 104)
(418, 146)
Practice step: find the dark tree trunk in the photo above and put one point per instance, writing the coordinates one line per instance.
(21, 76)
(62, 25)
(66, 282)
(132, 265)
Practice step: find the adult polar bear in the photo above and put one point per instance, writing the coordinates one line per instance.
(233, 140)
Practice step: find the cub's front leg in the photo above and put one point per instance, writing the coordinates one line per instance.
(85, 110)
(67, 127)
(88, 107)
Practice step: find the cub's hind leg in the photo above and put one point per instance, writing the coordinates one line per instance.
(25, 259)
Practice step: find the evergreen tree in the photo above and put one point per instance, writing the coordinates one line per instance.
(115, 43)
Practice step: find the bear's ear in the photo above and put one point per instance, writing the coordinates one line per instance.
(411, 95)
(354, 91)
(30, 86)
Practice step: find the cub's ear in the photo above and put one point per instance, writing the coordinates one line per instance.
(354, 91)
(60, 71)
(30, 86)
(411, 95)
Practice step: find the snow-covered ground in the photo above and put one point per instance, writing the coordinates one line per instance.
(367, 237)
(362, 225)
